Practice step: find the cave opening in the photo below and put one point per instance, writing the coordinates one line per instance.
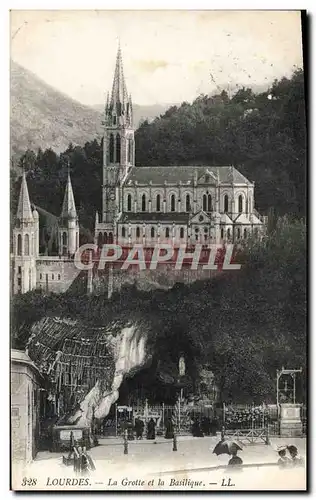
(160, 381)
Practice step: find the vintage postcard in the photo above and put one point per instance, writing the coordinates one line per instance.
(158, 251)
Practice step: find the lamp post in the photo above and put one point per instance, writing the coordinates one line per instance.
(181, 374)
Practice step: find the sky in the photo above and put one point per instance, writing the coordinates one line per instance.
(168, 56)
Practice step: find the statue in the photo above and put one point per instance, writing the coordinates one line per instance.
(181, 366)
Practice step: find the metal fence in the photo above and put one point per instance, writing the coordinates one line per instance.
(233, 417)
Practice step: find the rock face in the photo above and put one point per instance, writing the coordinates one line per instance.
(130, 355)
(88, 365)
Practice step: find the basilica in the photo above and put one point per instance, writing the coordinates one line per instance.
(180, 205)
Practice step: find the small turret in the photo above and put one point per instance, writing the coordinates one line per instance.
(24, 212)
(69, 224)
(25, 243)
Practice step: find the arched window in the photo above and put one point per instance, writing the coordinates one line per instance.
(245, 233)
(167, 232)
(26, 245)
(238, 233)
(123, 232)
(158, 203)
(204, 202)
(118, 149)
(64, 239)
(130, 150)
(111, 147)
(209, 203)
(226, 203)
(105, 238)
(110, 238)
(129, 202)
(144, 203)
(152, 232)
(19, 244)
(187, 203)
(173, 203)
(137, 232)
(240, 203)
(228, 233)
(222, 233)
(181, 232)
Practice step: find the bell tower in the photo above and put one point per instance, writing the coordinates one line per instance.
(118, 148)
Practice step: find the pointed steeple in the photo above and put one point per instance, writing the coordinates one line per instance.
(69, 207)
(119, 92)
(24, 211)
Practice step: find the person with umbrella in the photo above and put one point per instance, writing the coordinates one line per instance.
(229, 448)
(235, 461)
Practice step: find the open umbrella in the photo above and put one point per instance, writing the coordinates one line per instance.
(226, 446)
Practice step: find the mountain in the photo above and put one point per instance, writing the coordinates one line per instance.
(44, 117)
(41, 116)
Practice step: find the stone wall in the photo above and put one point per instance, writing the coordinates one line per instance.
(24, 411)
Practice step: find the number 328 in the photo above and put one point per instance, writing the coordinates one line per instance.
(29, 481)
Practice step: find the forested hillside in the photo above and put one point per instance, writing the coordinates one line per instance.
(263, 135)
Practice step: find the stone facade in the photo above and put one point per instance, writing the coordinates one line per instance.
(175, 204)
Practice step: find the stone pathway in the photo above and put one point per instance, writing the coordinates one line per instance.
(153, 460)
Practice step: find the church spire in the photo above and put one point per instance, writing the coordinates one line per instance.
(69, 207)
(24, 211)
(119, 94)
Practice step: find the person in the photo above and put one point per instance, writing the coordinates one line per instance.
(151, 429)
(206, 426)
(139, 428)
(283, 461)
(235, 461)
(169, 429)
(213, 427)
(297, 460)
(84, 462)
(196, 429)
(79, 460)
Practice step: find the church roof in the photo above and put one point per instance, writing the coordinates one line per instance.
(225, 219)
(69, 207)
(254, 220)
(185, 174)
(242, 219)
(140, 217)
(24, 211)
